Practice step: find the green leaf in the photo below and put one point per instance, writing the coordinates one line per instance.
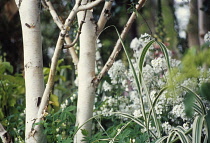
(1, 114)
(197, 99)
(54, 99)
(160, 140)
(12, 79)
(46, 71)
(208, 123)
(70, 108)
(12, 101)
(197, 128)
(5, 66)
(84, 132)
(66, 67)
(189, 102)
(143, 54)
(155, 101)
(204, 90)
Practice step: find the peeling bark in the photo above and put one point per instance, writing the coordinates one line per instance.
(33, 65)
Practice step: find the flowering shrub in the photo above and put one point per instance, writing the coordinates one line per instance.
(120, 94)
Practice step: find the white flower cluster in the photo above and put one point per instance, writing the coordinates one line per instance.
(117, 72)
(138, 44)
(207, 37)
(66, 103)
(167, 127)
(122, 95)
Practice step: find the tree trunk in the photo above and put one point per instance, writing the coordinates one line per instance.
(203, 22)
(192, 29)
(86, 73)
(33, 65)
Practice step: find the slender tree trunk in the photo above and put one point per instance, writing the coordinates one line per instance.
(86, 73)
(192, 29)
(33, 65)
(203, 22)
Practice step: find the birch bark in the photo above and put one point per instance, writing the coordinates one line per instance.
(33, 65)
(86, 72)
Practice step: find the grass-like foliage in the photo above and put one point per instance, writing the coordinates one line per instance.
(169, 124)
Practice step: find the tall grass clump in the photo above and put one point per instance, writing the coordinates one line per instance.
(154, 93)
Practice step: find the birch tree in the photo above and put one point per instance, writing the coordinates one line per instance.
(33, 65)
(37, 97)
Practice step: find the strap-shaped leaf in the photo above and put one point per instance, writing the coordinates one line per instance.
(197, 98)
(197, 109)
(154, 102)
(197, 128)
(143, 54)
(160, 140)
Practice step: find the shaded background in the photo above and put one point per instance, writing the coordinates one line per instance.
(176, 22)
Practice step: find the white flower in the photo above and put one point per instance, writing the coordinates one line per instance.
(148, 73)
(137, 113)
(63, 106)
(166, 127)
(158, 64)
(152, 94)
(66, 102)
(186, 126)
(99, 45)
(135, 44)
(159, 109)
(179, 111)
(117, 72)
(76, 82)
(107, 86)
(174, 62)
(72, 99)
(207, 37)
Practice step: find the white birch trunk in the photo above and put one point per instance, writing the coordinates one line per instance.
(86, 72)
(33, 65)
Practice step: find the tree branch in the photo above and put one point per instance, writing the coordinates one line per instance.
(50, 82)
(4, 135)
(54, 14)
(78, 33)
(118, 45)
(90, 5)
(60, 25)
(105, 15)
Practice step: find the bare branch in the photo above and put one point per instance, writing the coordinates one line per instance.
(78, 33)
(118, 45)
(105, 15)
(50, 82)
(72, 51)
(44, 4)
(90, 5)
(60, 25)
(54, 14)
(4, 135)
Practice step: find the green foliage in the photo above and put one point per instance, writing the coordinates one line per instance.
(59, 126)
(12, 101)
(192, 61)
(189, 102)
(124, 132)
(189, 69)
(11, 90)
(204, 90)
(62, 88)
